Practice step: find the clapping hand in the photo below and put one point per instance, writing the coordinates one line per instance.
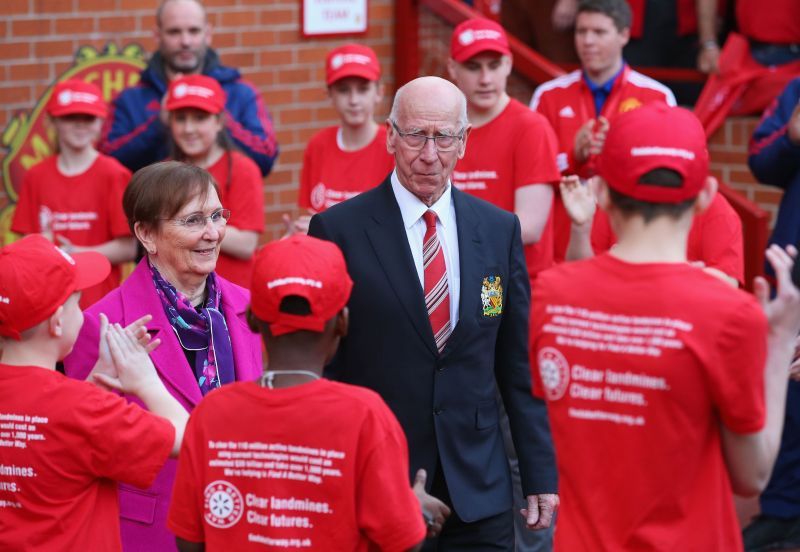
(134, 371)
(783, 311)
(578, 199)
(298, 225)
(105, 364)
(590, 138)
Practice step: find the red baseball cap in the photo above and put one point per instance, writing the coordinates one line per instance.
(299, 265)
(351, 60)
(75, 96)
(37, 277)
(198, 91)
(474, 36)
(655, 136)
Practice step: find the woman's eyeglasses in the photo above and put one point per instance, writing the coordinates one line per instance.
(197, 221)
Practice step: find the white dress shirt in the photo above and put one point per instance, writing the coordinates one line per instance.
(412, 209)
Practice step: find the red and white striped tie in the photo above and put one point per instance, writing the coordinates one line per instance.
(437, 292)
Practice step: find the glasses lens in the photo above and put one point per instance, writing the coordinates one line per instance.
(195, 221)
(221, 216)
(415, 141)
(445, 143)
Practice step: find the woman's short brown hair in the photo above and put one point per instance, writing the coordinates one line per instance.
(160, 190)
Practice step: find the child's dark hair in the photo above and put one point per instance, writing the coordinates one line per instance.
(618, 10)
(649, 210)
(291, 304)
(294, 304)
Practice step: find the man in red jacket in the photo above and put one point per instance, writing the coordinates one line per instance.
(581, 105)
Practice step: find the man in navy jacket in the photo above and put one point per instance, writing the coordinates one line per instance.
(136, 133)
(775, 159)
(441, 384)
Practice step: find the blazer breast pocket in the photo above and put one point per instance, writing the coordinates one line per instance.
(492, 297)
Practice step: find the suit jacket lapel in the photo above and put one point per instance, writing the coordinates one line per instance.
(470, 262)
(386, 232)
(169, 360)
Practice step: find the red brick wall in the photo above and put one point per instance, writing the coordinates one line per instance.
(38, 40)
(262, 38)
(728, 149)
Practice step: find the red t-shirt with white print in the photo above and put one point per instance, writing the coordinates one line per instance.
(515, 149)
(331, 175)
(639, 365)
(84, 208)
(64, 445)
(320, 466)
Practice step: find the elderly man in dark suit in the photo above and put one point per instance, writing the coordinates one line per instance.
(439, 321)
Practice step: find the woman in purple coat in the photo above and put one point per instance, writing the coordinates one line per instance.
(175, 212)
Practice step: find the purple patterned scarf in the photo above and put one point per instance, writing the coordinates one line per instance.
(199, 331)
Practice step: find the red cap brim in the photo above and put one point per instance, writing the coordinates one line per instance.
(196, 103)
(78, 109)
(479, 47)
(91, 268)
(353, 70)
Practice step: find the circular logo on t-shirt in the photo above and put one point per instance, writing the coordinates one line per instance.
(318, 197)
(554, 371)
(223, 505)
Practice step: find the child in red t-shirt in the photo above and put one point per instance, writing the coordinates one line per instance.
(510, 160)
(75, 196)
(65, 443)
(342, 161)
(295, 461)
(195, 104)
(665, 386)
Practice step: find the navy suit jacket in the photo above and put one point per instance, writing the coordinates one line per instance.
(446, 403)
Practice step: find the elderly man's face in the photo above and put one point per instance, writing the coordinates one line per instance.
(183, 36)
(425, 172)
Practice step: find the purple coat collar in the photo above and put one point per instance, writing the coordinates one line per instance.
(139, 298)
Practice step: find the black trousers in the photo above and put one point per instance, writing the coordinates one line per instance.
(490, 534)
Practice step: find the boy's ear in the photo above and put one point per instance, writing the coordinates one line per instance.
(342, 322)
(55, 324)
(706, 195)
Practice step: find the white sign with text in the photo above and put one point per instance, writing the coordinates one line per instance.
(330, 17)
